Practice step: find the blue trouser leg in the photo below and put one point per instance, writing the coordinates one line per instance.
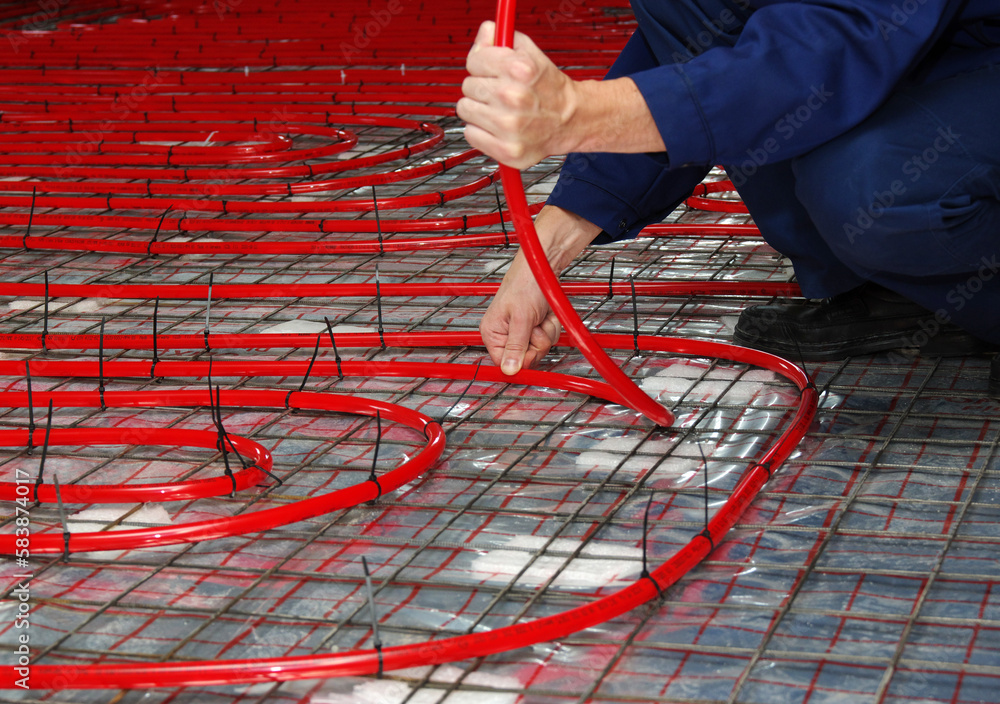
(675, 32)
(769, 192)
(910, 199)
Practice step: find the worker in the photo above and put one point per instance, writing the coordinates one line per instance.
(863, 136)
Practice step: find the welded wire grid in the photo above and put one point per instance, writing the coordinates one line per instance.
(866, 572)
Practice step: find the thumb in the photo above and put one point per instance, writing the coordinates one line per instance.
(516, 346)
(484, 37)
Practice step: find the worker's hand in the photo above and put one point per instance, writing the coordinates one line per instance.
(518, 328)
(517, 103)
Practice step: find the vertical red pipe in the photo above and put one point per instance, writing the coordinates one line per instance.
(518, 204)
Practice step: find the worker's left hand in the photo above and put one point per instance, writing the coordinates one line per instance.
(517, 103)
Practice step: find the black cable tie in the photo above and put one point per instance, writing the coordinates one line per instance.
(45, 451)
(107, 201)
(503, 226)
(62, 516)
(270, 474)
(645, 574)
(31, 410)
(31, 217)
(651, 578)
(377, 486)
(289, 186)
(378, 304)
(100, 366)
(635, 316)
(156, 357)
(211, 402)
(428, 424)
(441, 200)
(224, 211)
(645, 530)
(376, 640)
(378, 223)
(156, 233)
(704, 463)
(311, 363)
(707, 536)
(229, 441)
(378, 443)
(149, 185)
(213, 396)
(45, 312)
(232, 447)
(229, 473)
(208, 309)
(472, 381)
(766, 466)
(611, 278)
(336, 354)
(798, 353)
(217, 409)
(465, 224)
(378, 652)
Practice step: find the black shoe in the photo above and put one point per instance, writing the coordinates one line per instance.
(867, 320)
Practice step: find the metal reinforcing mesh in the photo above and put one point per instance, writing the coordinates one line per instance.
(866, 571)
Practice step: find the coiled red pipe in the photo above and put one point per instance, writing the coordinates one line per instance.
(142, 675)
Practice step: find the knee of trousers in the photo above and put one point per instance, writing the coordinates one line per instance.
(875, 220)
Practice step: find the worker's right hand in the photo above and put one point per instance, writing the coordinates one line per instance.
(518, 328)
(516, 103)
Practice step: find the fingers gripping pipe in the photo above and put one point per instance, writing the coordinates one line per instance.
(547, 281)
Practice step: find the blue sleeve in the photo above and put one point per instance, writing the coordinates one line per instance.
(800, 74)
(622, 193)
